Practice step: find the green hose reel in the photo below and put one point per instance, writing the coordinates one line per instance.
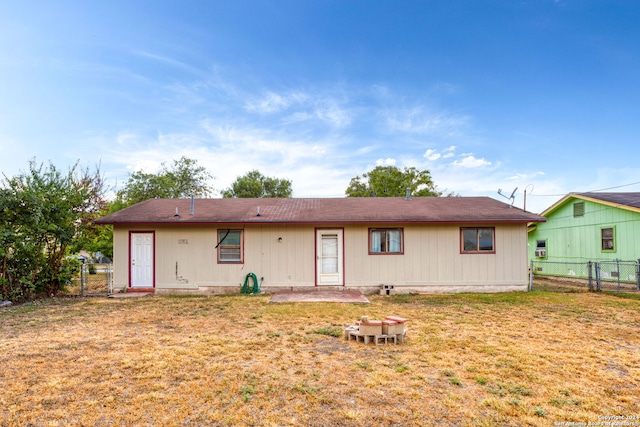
(256, 286)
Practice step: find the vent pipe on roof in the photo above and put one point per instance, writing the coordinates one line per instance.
(258, 211)
(408, 194)
(176, 214)
(193, 207)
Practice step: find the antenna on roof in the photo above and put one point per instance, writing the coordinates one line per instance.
(525, 195)
(512, 197)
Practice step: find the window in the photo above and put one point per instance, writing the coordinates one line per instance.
(385, 241)
(477, 240)
(578, 209)
(541, 249)
(230, 246)
(607, 238)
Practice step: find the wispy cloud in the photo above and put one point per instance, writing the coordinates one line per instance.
(419, 120)
(306, 135)
(272, 102)
(525, 176)
(300, 106)
(449, 152)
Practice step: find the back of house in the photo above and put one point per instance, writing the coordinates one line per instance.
(421, 244)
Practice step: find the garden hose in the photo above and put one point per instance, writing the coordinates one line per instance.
(256, 286)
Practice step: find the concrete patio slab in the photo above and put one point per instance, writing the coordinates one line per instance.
(130, 294)
(319, 296)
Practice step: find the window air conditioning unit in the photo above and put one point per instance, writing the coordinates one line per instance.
(541, 253)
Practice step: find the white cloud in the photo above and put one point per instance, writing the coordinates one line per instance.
(166, 60)
(298, 116)
(386, 162)
(300, 106)
(432, 155)
(273, 102)
(332, 113)
(524, 176)
(471, 162)
(421, 121)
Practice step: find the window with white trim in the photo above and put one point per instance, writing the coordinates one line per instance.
(541, 249)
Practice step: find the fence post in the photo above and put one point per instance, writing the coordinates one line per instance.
(530, 275)
(108, 278)
(83, 276)
(638, 275)
(590, 274)
(597, 267)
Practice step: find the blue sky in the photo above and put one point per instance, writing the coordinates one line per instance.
(542, 95)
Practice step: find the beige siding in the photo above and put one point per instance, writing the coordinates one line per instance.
(431, 262)
(432, 259)
(120, 258)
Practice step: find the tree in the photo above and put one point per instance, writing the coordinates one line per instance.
(184, 179)
(256, 185)
(43, 215)
(390, 181)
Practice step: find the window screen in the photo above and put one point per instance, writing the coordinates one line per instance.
(229, 246)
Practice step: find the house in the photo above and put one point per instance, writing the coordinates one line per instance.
(422, 244)
(584, 227)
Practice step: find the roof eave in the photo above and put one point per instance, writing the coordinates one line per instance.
(326, 222)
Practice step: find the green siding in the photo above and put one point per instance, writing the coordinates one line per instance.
(578, 239)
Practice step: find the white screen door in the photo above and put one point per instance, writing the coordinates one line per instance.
(329, 257)
(141, 260)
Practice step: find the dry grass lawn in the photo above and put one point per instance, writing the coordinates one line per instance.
(518, 359)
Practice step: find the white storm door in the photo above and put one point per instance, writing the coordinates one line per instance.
(141, 260)
(329, 257)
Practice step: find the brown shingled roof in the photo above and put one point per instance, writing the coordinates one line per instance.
(623, 200)
(322, 210)
(620, 198)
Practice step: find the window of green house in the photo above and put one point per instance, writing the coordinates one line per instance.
(578, 209)
(230, 248)
(607, 237)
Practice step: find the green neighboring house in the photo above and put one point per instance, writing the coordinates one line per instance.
(584, 227)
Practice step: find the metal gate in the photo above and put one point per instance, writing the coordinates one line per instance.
(610, 275)
(617, 275)
(96, 279)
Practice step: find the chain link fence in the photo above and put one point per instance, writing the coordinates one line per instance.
(92, 280)
(610, 275)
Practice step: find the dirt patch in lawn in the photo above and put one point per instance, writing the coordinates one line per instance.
(516, 359)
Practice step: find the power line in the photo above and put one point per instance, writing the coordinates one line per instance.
(591, 191)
